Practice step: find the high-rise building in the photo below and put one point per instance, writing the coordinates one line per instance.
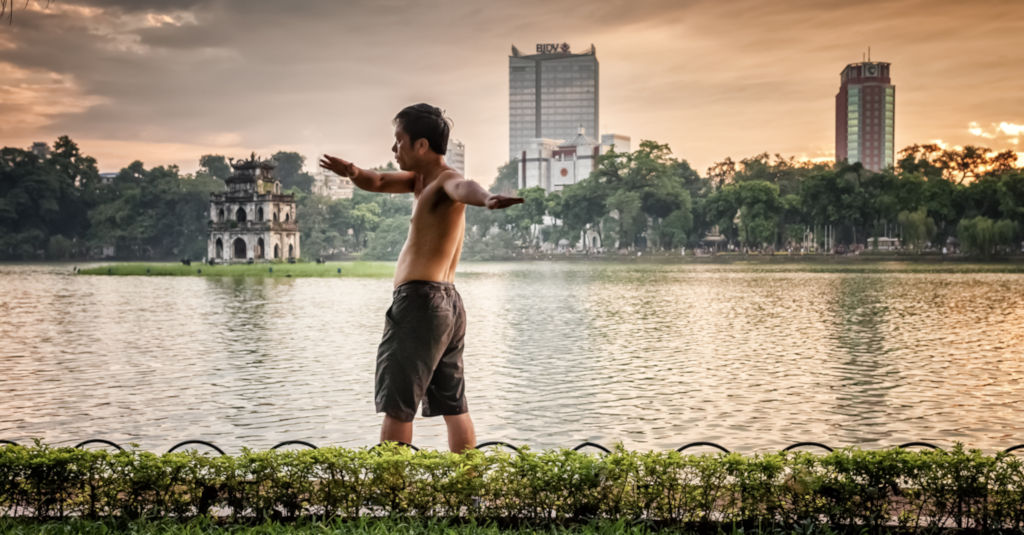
(455, 156)
(865, 115)
(551, 94)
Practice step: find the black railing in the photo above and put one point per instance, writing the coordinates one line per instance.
(503, 444)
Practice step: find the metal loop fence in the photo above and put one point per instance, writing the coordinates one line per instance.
(681, 449)
(200, 442)
(500, 444)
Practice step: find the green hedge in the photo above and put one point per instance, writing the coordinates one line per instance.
(871, 489)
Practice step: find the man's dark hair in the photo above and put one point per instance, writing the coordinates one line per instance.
(423, 121)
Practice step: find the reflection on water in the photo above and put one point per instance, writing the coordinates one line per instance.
(654, 356)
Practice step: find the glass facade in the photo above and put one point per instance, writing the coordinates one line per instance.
(853, 124)
(551, 96)
(522, 104)
(890, 125)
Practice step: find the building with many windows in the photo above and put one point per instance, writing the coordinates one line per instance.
(551, 93)
(865, 115)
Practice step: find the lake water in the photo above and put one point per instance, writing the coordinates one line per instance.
(653, 356)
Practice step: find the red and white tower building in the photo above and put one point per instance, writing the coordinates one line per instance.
(865, 115)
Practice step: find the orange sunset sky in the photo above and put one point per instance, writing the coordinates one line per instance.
(166, 81)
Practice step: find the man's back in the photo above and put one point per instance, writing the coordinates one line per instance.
(431, 251)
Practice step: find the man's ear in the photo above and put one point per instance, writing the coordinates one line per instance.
(421, 145)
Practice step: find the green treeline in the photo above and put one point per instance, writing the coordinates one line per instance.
(647, 199)
(60, 207)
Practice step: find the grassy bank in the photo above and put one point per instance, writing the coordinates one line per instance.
(779, 262)
(305, 269)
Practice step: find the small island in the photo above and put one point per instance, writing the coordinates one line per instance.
(275, 270)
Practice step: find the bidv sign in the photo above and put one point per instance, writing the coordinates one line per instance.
(552, 48)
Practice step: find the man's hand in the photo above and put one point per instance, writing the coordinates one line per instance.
(342, 167)
(495, 202)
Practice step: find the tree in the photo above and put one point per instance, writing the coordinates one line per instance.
(319, 236)
(722, 173)
(43, 198)
(925, 160)
(362, 219)
(957, 165)
(960, 165)
(386, 242)
(748, 211)
(918, 228)
(583, 206)
(507, 181)
(289, 171)
(760, 211)
(627, 208)
(215, 166)
(674, 230)
(977, 235)
(1005, 234)
(154, 213)
(1011, 196)
(524, 217)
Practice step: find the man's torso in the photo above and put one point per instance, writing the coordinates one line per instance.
(431, 251)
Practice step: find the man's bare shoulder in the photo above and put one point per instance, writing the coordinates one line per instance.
(448, 175)
(446, 180)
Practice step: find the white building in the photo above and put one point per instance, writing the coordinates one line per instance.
(554, 164)
(620, 142)
(329, 184)
(455, 157)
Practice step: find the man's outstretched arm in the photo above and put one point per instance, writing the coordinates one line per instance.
(393, 182)
(469, 192)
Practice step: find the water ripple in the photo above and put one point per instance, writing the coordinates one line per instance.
(557, 353)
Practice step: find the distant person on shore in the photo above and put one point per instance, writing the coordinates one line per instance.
(420, 354)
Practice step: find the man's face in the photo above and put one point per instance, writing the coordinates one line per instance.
(404, 154)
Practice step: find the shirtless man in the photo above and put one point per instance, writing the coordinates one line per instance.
(420, 354)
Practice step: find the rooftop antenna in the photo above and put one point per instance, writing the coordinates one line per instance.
(869, 53)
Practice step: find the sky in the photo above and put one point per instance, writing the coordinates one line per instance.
(166, 81)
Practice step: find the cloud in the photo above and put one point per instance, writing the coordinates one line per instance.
(33, 99)
(1011, 129)
(1003, 133)
(712, 79)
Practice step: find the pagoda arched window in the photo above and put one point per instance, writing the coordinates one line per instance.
(240, 215)
(259, 214)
